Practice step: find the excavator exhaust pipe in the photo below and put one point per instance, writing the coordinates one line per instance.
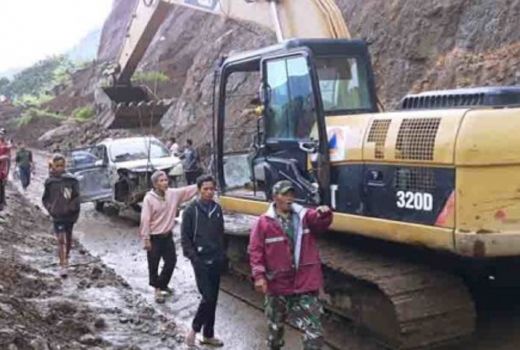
(128, 107)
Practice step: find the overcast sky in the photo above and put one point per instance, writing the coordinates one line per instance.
(31, 30)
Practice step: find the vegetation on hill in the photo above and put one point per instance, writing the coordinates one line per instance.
(34, 85)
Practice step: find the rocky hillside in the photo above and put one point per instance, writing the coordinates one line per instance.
(415, 45)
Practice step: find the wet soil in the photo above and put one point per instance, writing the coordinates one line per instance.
(114, 241)
(92, 308)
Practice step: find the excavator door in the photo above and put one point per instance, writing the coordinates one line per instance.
(295, 146)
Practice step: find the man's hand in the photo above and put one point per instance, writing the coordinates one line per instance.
(147, 244)
(322, 209)
(261, 286)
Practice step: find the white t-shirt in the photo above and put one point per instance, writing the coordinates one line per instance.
(174, 149)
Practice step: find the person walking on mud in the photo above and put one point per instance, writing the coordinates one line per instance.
(157, 221)
(5, 158)
(191, 163)
(62, 201)
(286, 266)
(24, 163)
(202, 234)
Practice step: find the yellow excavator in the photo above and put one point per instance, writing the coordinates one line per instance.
(438, 176)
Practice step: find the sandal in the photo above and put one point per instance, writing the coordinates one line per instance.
(167, 291)
(159, 298)
(212, 341)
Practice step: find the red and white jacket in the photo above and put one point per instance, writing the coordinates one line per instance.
(271, 257)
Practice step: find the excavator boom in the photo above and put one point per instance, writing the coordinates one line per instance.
(145, 22)
(125, 106)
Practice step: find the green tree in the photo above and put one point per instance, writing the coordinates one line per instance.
(41, 77)
(4, 86)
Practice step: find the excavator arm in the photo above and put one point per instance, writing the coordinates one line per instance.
(288, 18)
(125, 106)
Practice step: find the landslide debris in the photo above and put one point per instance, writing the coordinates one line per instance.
(92, 309)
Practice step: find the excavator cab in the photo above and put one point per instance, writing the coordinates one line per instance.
(302, 82)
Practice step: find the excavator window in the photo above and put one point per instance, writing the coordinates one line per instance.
(290, 113)
(343, 84)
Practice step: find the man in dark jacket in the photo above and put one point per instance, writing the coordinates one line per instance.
(202, 235)
(190, 163)
(286, 265)
(62, 201)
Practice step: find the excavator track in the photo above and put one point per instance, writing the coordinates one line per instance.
(404, 304)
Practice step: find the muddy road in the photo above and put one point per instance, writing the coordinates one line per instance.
(93, 308)
(115, 241)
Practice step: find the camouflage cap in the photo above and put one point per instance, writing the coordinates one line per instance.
(283, 186)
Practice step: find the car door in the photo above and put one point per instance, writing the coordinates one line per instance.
(90, 166)
(295, 146)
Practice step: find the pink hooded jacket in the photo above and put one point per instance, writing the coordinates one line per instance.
(158, 214)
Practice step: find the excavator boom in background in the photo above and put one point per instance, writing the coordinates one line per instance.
(408, 176)
(123, 105)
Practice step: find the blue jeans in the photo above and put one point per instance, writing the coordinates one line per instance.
(25, 175)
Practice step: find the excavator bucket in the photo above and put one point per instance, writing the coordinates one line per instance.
(127, 107)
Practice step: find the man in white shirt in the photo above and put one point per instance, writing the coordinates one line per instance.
(173, 146)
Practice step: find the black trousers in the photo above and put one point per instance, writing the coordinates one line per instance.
(163, 247)
(208, 283)
(191, 177)
(2, 192)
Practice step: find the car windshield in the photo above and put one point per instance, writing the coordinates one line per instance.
(137, 149)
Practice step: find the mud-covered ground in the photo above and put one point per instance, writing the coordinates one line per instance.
(115, 241)
(92, 308)
(127, 307)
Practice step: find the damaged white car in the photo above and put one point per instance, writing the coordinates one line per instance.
(117, 171)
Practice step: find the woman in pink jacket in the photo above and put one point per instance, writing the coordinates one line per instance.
(286, 265)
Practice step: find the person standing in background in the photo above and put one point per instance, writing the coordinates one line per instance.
(173, 146)
(5, 158)
(24, 163)
(191, 163)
